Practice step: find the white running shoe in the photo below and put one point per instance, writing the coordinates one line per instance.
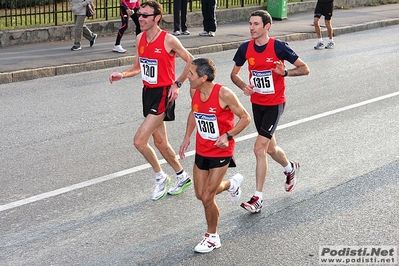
(254, 205)
(319, 45)
(161, 188)
(176, 33)
(330, 45)
(182, 181)
(235, 192)
(291, 177)
(208, 244)
(118, 49)
(204, 33)
(212, 33)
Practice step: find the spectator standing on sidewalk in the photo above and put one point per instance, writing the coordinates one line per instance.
(180, 7)
(78, 8)
(213, 108)
(324, 8)
(155, 61)
(128, 9)
(208, 8)
(266, 88)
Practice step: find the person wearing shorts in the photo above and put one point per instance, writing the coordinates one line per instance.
(265, 57)
(213, 109)
(324, 8)
(155, 61)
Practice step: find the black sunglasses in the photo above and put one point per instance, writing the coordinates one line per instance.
(145, 15)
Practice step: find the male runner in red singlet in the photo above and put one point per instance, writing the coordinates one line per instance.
(155, 61)
(213, 110)
(266, 87)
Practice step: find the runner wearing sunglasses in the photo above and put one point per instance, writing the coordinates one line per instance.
(155, 61)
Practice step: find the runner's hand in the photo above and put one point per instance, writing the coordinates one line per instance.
(183, 147)
(115, 77)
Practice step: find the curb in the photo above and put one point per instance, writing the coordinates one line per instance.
(24, 75)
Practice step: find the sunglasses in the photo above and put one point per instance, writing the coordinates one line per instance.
(145, 15)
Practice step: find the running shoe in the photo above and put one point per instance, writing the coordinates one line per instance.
(330, 45)
(235, 192)
(291, 177)
(186, 32)
(204, 33)
(93, 41)
(208, 244)
(176, 33)
(118, 49)
(76, 48)
(254, 205)
(212, 33)
(182, 181)
(319, 45)
(161, 188)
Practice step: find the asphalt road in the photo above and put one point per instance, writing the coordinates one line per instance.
(74, 191)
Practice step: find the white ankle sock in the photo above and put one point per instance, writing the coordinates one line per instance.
(160, 175)
(288, 168)
(259, 194)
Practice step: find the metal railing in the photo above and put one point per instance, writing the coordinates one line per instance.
(20, 14)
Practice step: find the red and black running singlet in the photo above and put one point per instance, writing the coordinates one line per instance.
(156, 64)
(269, 86)
(212, 121)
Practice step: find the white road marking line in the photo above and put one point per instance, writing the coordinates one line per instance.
(101, 179)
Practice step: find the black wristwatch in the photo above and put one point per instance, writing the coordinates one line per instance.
(285, 72)
(178, 83)
(229, 137)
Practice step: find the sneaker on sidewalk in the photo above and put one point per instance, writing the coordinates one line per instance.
(186, 32)
(254, 205)
(291, 177)
(93, 41)
(204, 33)
(235, 192)
(330, 45)
(182, 181)
(176, 33)
(208, 244)
(212, 33)
(161, 188)
(319, 45)
(118, 49)
(76, 48)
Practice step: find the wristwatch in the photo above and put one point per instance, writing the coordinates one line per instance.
(285, 72)
(229, 137)
(178, 83)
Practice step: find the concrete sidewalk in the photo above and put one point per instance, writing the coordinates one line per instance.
(26, 62)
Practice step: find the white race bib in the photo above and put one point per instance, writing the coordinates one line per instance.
(149, 70)
(207, 126)
(262, 81)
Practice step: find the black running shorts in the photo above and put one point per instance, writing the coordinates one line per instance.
(266, 118)
(206, 163)
(156, 102)
(324, 9)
